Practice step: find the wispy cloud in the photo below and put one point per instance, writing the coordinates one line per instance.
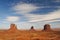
(25, 10)
(50, 16)
(12, 18)
(51, 20)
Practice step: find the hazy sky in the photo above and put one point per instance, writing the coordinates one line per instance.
(27, 13)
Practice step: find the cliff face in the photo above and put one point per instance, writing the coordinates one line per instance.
(13, 28)
(32, 29)
(47, 27)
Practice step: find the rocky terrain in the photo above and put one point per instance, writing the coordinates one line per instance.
(14, 34)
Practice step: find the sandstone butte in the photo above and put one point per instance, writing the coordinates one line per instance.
(32, 34)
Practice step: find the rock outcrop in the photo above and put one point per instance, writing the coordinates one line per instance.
(47, 27)
(32, 28)
(13, 27)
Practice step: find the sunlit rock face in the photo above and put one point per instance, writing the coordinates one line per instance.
(13, 27)
(47, 27)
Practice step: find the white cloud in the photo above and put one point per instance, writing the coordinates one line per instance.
(24, 9)
(51, 20)
(50, 16)
(12, 18)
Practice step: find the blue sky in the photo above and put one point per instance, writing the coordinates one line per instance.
(27, 13)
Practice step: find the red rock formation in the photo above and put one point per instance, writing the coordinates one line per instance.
(47, 27)
(32, 28)
(14, 34)
(13, 27)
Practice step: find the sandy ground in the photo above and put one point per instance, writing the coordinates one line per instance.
(29, 35)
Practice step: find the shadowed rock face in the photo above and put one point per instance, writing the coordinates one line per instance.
(32, 28)
(47, 27)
